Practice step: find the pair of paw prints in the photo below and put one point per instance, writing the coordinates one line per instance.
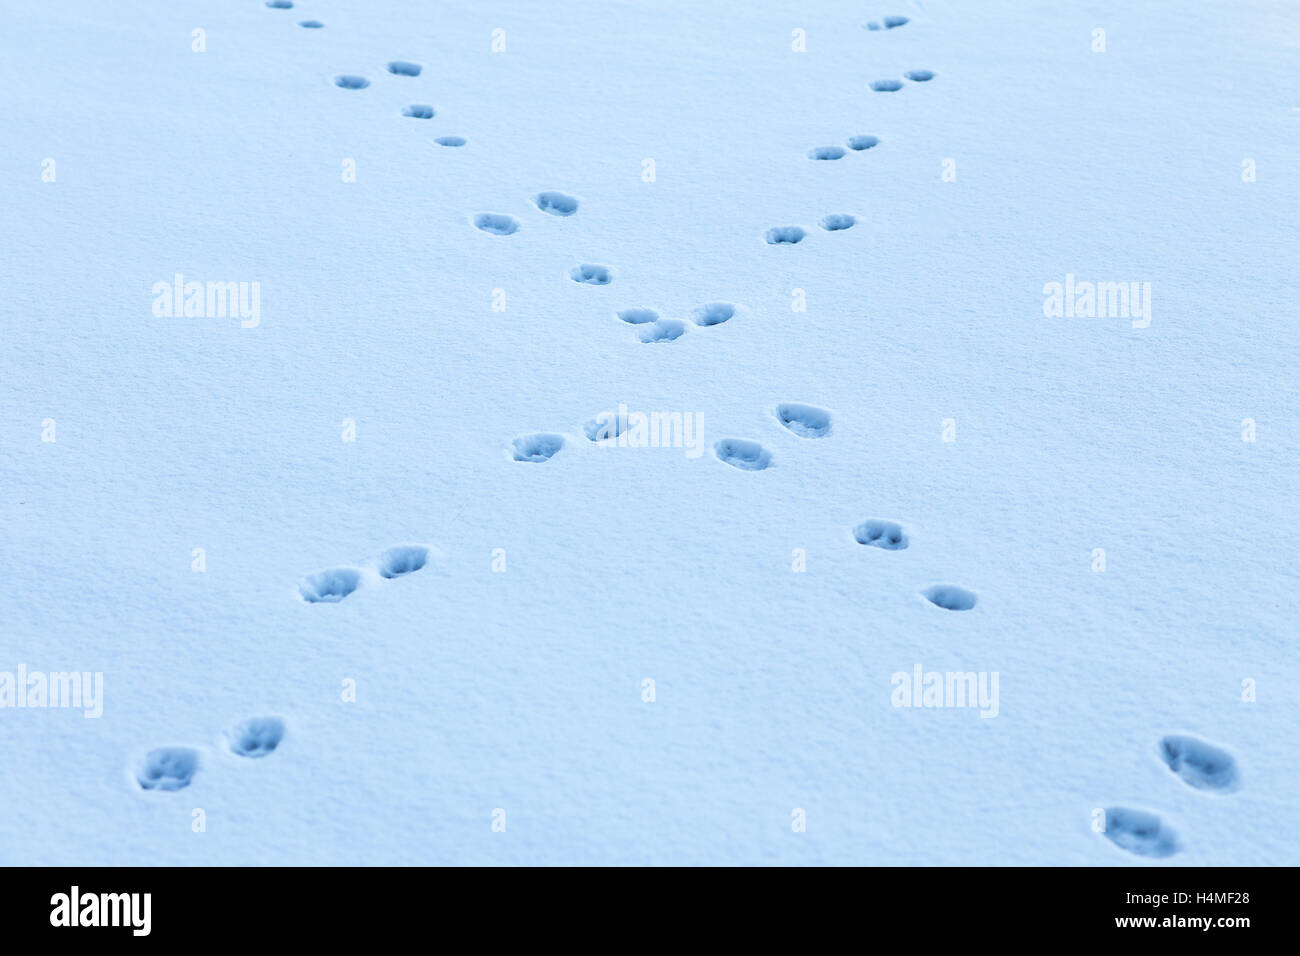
(652, 328)
(552, 203)
(891, 536)
(334, 584)
(805, 421)
(1198, 764)
(859, 144)
(173, 768)
(893, 86)
(792, 235)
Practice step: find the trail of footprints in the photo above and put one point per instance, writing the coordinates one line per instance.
(1197, 764)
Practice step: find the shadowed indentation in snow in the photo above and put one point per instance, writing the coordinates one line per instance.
(661, 330)
(1199, 764)
(638, 316)
(349, 82)
(450, 140)
(878, 533)
(557, 204)
(591, 275)
(537, 447)
(920, 76)
(167, 768)
(806, 421)
(257, 736)
(496, 223)
(402, 559)
(311, 24)
(886, 86)
(715, 313)
(280, 4)
(838, 221)
(1139, 832)
(784, 235)
(950, 597)
(860, 143)
(888, 23)
(418, 111)
(402, 68)
(330, 586)
(743, 454)
(826, 152)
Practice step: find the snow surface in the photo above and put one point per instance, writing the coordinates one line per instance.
(522, 690)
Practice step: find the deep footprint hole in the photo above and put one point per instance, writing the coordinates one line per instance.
(349, 82)
(950, 597)
(806, 421)
(715, 313)
(591, 274)
(257, 736)
(785, 235)
(877, 533)
(402, 559)
(826, 152)
(837, 222)
(557, 204)
(743, 454)
(537, 448)
(403, 68)
(329, 587)
(497, 224)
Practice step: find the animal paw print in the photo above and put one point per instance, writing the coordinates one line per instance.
(334, 584)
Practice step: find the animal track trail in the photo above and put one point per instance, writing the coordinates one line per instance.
(537, 448)
(329, 586)
(743, 454)
(806, 421)
(878, 533)
(1139, 832)
(167, 768)
(950, 597)
(1198, 764)
(256, 737)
